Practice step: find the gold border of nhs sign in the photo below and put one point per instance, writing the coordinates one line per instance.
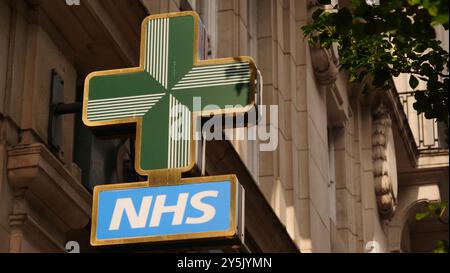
(157, 97)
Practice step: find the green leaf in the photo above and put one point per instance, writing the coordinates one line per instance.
(392, 22)
(414, 2)
(442, 247)
(422, 215)
(384, 41)
(331, 19)
(358, 30)
(372, 27)
(317, 13)
(441, 19)
(433, 10)
(381, 76)
(413, 82)
(344, 20)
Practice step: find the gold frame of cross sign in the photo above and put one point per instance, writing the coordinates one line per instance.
(168, 176)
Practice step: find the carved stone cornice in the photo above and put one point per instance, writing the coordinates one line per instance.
(324, 61)
(385, 182)
(48, 200)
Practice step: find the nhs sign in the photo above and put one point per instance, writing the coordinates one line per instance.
(198, 208)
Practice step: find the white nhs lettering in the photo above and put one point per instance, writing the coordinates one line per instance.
(139, 219)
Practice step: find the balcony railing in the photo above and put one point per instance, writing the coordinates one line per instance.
(428, 133)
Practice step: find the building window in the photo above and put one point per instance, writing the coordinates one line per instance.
(443, 135)
(332, 175)
(55, 130)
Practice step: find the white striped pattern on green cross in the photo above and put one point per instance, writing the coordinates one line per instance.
(179, 134)
(156, 64)
(125, 107)
(215, 75)
(157, 50)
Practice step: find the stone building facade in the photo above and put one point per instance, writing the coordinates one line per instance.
(348, 175)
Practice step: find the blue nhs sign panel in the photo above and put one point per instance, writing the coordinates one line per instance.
(136, 213)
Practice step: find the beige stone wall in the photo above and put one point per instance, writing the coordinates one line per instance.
(6, 195)
(295, 178)
(161, 6)
(12, 30)
(319, 181)
(4, 45)
(15, 31)
(27, 57)
(43, 56)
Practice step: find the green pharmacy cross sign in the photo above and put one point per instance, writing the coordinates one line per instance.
(158, 96)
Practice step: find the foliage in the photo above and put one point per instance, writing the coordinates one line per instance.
(379, 42)
(442, 247)
(436, 211)
(383, 41)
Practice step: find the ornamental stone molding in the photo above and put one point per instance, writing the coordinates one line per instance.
(48, 199)
(324, 61)
(384, 162)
